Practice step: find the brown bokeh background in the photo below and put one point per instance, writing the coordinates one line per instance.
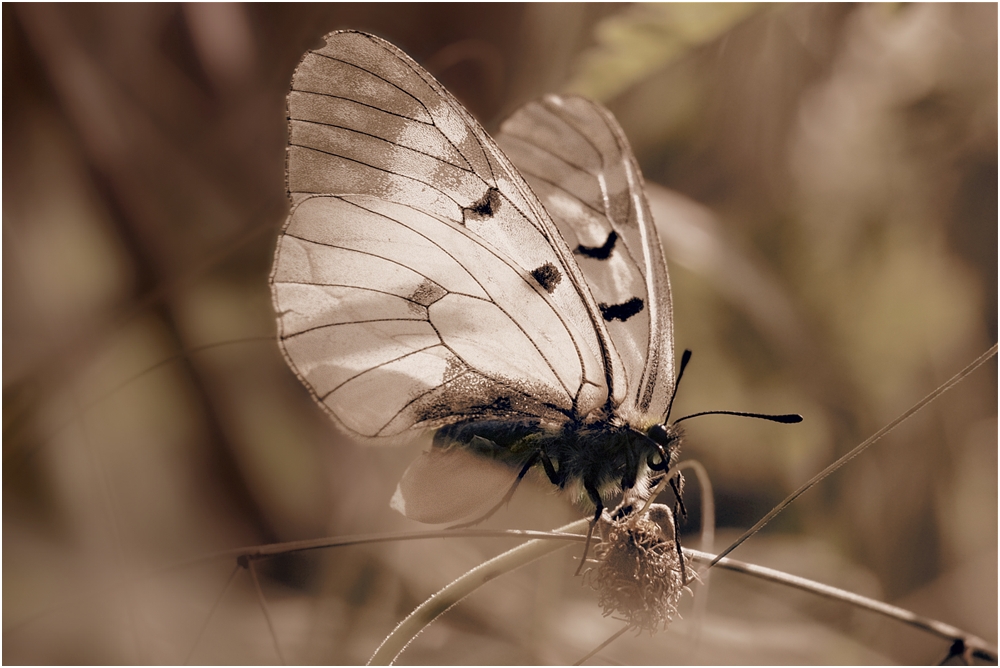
(831, 230)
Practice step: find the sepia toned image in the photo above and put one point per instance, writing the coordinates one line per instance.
(365, 332)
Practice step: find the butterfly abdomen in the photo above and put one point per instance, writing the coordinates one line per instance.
(510, 441)
(603, 457)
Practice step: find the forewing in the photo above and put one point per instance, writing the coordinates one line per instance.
(365, 120)
(577, 160)
(397, 319)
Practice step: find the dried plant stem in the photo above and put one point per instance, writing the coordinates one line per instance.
(947, 385)
(707, 502)
(592, 653)
(436, 605)
(273, 549)
(977, 645)
(707, 537)
(211, 613)
(266, 611)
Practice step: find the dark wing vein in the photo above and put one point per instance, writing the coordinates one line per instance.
(362, 252)
(378, 76)
(559, 187)
(376, 366)
(328, 325)
(382, 139)
(517, 271)
(358, 287)
(360, 103)
(381, 169)
(579, 168)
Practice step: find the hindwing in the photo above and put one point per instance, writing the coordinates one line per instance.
(577, 160)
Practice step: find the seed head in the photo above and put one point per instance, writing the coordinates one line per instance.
(638, 575)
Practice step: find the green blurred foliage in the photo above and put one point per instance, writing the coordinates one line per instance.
(825, 182)
(644, 38)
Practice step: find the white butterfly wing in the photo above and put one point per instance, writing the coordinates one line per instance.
(577, 160)
(418, 281)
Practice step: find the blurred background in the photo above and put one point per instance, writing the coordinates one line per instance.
(825, 182)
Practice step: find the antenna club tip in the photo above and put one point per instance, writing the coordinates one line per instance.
(793, 418)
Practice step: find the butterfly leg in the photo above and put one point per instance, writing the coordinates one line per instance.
(596, 498)
(677, 485)
(506, 497)
(554, 476)
(679, 504)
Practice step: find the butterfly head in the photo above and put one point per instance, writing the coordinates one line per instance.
(651, 452)
(666, 439)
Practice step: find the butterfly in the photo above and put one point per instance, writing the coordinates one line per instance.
(511, 295)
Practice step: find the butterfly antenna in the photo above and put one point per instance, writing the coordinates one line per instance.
(791, 418)
(685, 358)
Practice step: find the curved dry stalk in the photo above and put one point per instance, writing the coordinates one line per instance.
(944, 387)
(707, 535)
(439, 603)
(977, 645)
(707, 504)
(275, 549)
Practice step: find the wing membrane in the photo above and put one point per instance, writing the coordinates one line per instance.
(576, 158)
(396, 319)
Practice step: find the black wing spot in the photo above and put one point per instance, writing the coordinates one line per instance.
(622, 311)
(427, 293)
(485, 207)
(599, 252)
(548, 276)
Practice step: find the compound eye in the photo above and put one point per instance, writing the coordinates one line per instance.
(658, 434)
